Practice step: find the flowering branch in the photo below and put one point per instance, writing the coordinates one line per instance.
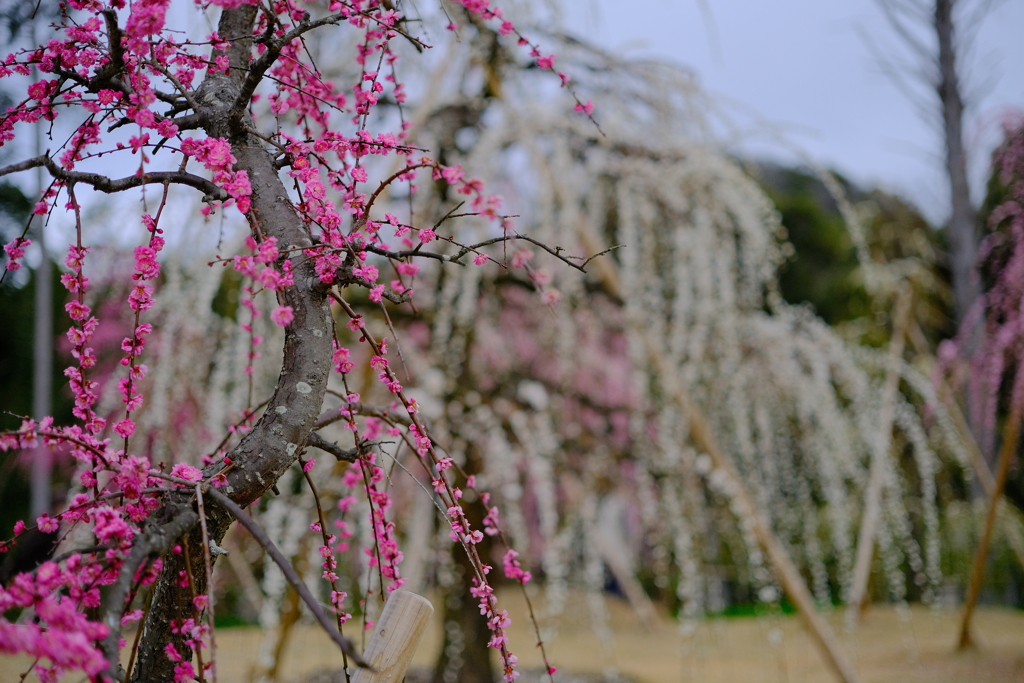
(109, 186)
(293, 578)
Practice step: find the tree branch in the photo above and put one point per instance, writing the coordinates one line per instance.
(334, 415)
(293, 578)
(108, 185)
(342, 454)
(153, 542)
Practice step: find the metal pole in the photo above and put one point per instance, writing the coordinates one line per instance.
(42, 371)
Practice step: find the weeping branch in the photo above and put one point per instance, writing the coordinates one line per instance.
(109, 185)
(292, 576)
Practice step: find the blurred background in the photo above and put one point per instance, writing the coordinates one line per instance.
(768, 398)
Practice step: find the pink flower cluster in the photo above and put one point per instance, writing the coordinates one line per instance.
(15, 250)
(513, 569)
(497, 622)
(195, 635)
(383, 530)
(997, 364)
(139, 299)
(63, 635)
(261, 268)
(82, 329)
(215, 154)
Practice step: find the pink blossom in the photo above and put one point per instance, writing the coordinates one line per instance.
(550, 296)
(342, 364)
(453, 174)
(184, 673)
(282, 315)
(110, 526)
(47, 524)
(185, 471)
(76, 310)
(521, 258)
(585, 107)
(147, 18)
(125, 428)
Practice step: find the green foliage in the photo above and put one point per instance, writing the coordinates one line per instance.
(17, 310)
(14, 206)
(17, 305)
(823, 269)
(225, 301)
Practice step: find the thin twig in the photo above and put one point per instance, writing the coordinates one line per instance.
(209, 573)
(342, 454)
(327, 544)
(290, 574)
(109, 185)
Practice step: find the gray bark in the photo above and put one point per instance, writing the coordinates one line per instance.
(276, 440)
(962, 228)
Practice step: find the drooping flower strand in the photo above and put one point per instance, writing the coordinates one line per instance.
(511, 565)
(83, 327)
(385, 554)
(327, 554)
(461, 529)
(147, 267)
(545, 62)
(118, 75)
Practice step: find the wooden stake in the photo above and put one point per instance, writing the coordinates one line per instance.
(792, 582)
(873, 498)
(700, 431)
(394, 640)
(1010, 522)
(1011, 433)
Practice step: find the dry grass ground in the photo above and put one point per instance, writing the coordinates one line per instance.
(886, 649)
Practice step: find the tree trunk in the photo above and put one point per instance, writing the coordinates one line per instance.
(962, 229)
(276, 440)
(873, 498)
(1011, 434)
(700, 431)
(464, 657)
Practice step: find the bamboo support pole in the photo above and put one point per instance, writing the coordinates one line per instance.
(394, 639)
(792, 582)
(700, 431)
(876, 477)
(1011, 434)
(1011, 523)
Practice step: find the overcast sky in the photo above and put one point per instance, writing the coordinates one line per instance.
(806, 65)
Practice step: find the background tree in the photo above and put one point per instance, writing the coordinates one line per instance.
(18, 23)
(995, 379)
(937, 60)
(672, 374)
(585, 413)
(130, 87)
